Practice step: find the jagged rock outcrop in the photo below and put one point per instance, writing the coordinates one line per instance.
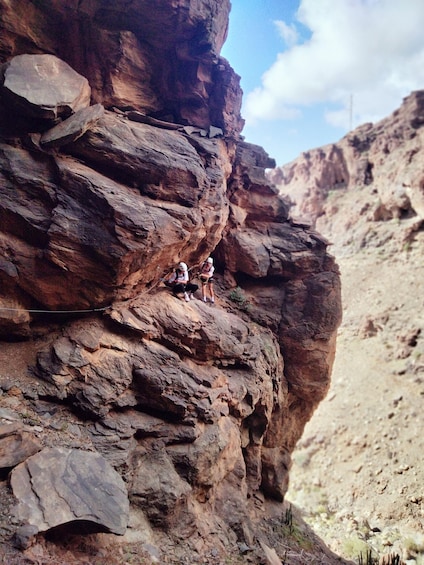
(368, 157)
(161, 59)
(72, 128)
(197, 407)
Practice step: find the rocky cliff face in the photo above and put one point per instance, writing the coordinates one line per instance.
(120, 155)
(384, 160)
(358, 468)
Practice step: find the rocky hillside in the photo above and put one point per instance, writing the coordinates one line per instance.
(161, 429)
(358, 472)
(383, 160)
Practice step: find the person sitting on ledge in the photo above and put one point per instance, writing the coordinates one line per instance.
(179, 282)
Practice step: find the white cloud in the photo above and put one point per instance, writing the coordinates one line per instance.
(369, 49)
(288, 33)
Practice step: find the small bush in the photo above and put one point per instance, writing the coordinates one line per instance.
(413, 546)
(238, 297)
(355, 547)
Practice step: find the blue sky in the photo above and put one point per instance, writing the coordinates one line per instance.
(312, 70)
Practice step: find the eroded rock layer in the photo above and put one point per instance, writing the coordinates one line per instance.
(198, 407)
(383, 160)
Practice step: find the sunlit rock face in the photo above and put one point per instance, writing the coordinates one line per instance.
(161, 58)
(197, 406)
(370, 157)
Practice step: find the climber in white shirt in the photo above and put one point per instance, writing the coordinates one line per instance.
(206, 278)
(179, 282)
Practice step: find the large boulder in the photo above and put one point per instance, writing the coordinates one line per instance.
(44, 86)
(60, 486)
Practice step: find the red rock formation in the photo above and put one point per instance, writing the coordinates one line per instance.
(366, 158)
(199, 408)
(161, 59)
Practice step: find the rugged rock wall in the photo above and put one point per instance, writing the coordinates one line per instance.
(365, 193)
(197, 407)
(383, 159)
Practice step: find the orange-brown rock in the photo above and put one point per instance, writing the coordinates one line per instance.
(198, 406)
(16, 445)
(162, 59)
(367, 157)
(44, 86)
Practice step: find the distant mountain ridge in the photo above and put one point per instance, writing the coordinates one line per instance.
(384, 159)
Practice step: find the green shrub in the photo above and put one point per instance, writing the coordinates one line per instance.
(240, 299)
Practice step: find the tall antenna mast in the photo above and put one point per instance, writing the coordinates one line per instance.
(351, 113)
